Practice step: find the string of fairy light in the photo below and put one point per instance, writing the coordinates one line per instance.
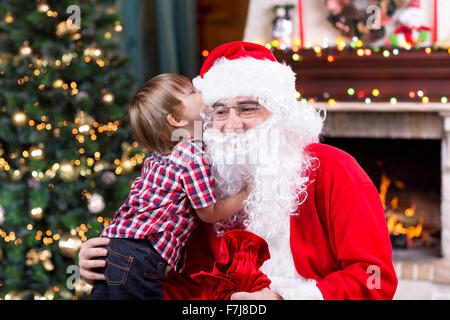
(358, 47)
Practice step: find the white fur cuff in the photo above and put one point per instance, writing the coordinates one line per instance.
(295, 289)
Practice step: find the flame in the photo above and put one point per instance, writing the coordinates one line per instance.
(410, 211)
(396, 227)
(385, 183)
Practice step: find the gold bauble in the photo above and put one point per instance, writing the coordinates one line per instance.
(48, 265)
(15, 295)
(9, 18)
(84, 122)
(67, 172)
(49, 294)
(19, 118)
(69, 245)
(36, 214)
(43, 7)
(126, 165)
(82, 287)
(25, 50)
(36, 153)
(108, 97)
(96, 203)
(62, 29)
(58, 83)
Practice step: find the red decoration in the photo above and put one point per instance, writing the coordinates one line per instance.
(300, 22)
(435, 22)
(242, 253)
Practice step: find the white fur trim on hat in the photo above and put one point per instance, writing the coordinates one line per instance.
(246, 77)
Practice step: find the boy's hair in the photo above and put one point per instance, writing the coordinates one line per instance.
(149, 109)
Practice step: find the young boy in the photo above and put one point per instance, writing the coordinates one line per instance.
(175, 189)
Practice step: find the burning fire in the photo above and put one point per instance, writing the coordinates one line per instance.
(400, 222)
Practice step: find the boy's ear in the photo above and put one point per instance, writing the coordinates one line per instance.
(175, 121)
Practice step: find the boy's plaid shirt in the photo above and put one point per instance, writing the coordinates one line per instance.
(161, 203)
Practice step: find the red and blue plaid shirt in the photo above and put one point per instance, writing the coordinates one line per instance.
(161, 203)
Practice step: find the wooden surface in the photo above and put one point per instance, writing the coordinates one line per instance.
(433, 107)
(220, 22)
(395, 76)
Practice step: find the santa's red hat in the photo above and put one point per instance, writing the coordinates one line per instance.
(244, 69)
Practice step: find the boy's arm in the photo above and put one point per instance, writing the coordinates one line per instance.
(223, 208)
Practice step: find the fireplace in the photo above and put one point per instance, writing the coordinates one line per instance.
(407, 156)
(407, 173)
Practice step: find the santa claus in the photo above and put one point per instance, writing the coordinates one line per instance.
(316, 208)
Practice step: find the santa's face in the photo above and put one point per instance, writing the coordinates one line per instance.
(235, 122)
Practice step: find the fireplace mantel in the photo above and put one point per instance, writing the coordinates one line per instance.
(395, 76)
(434, 107)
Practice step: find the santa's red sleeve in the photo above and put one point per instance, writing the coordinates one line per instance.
(363, 253)
(344, 223)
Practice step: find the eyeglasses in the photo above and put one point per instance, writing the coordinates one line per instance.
(244, 109)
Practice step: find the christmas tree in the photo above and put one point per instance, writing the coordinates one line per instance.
(67, 156)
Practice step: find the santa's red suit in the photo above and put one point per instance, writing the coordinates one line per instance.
(339, 237)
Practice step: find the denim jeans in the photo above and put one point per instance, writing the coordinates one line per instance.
(134, 271)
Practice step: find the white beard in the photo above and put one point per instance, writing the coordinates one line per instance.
(271, 156)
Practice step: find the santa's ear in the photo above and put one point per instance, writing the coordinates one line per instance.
(176, 121)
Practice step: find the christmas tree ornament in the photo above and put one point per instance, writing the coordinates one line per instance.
(109, 177)
(107, 97)
(67, 172)
(15, 295)
(19, 118)
(32, 257)
(69, 245)
(84, 122)
(43, 7)
(99, 166)
(125, 162)
(44, 257)
(82, 288)
(412, 30)
(36, 152)
(9, 18)
(63, 27)
(25, 49)
(49, 294)
(96, 203)
(17, 174)
(93, 52)
(33, 183)
(36, 214)
(67, 57)
(118, 27)
(58, 83)
(2, 215)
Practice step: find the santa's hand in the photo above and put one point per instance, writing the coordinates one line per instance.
(263, 294)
